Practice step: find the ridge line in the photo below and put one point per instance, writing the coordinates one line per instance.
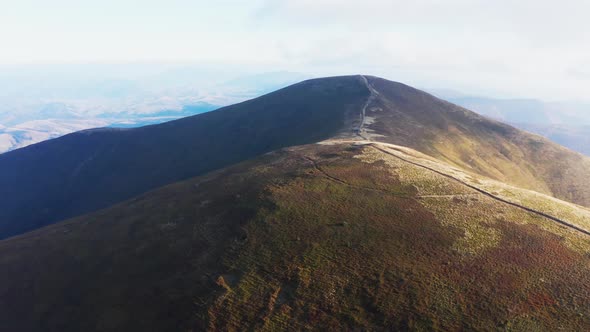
(359, 131)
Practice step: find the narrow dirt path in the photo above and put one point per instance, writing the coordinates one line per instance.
(338, 180)
(542, 214)
(360, 130)
(448, 196)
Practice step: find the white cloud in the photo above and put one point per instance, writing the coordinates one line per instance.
(519, 48)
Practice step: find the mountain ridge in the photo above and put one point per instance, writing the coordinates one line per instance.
(80, 173)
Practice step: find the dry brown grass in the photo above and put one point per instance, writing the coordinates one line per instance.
(357, 240)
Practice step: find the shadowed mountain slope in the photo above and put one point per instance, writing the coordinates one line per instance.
(89, 170)
(336, 236)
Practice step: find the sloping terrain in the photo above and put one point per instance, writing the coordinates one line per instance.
(86, 171)
(575, 137)
(332, 236)
(405, 116)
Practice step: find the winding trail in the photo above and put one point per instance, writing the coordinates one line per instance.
(448, 196)
(360, 130)
(338, 180)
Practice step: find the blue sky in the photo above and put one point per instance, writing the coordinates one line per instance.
(538, 49)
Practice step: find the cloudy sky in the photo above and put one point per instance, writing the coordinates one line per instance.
(537, 49)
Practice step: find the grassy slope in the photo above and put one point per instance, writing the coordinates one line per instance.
(86, 171)
(409, 117)
(315, 237)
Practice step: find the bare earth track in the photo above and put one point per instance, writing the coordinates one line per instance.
(360, 130)
(336, 179)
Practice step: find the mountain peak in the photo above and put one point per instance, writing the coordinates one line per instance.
(79, 173)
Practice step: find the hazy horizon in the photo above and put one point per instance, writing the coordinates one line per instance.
(502, 49)
(70, 65)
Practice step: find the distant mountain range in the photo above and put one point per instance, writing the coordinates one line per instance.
(575, 137)
(33, 110)
(174, 93)
(566, 123)
(34, 131)
(334, 204)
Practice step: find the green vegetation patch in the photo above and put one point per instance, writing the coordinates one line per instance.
(347, 246)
